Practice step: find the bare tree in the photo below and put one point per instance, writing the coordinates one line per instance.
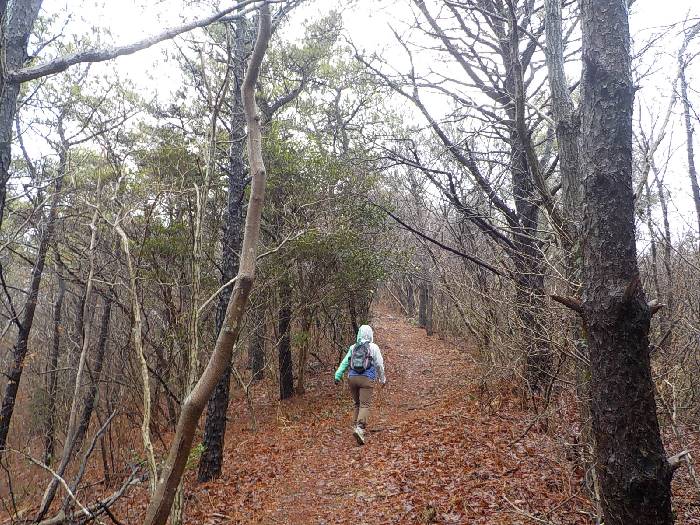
(689, 132)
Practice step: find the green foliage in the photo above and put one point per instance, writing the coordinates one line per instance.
(320, 202)
(194, 456)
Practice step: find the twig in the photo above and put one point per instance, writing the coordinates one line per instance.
(526, 514)
(58, 478)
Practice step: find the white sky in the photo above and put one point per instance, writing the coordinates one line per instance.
(367, 24)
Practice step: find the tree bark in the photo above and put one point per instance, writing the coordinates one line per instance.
(422, 303)
(173, 469)
(429, 308)
(91, 394)
(74, 432)
(52, 374)
(286, 370)
(17, 24)
(631, 463)
(215, 425)
(256, 350)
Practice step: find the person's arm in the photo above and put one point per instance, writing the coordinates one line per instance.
(344, 364)
(379, 364)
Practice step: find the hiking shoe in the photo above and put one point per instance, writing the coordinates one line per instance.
(359, 434)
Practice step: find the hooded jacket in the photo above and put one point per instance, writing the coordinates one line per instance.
(364, 335)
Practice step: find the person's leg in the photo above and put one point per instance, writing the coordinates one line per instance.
(365, 397)
(355, 393)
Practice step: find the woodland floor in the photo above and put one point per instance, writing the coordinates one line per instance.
(443, 447)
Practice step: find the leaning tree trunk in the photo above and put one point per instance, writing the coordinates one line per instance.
(634, 474)
(19, 351)
(193, 406)
(74, 433)
(215, 425)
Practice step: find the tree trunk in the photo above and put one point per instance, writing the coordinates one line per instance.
(422, 304)
(215, 425)
(429, 308)
(16, 26)
(286, 370)
(410, 297)
(74, 432)
(52, 374)
(631, 463)
(174, 467)
(304, 351)
(690, 150)
(256, 350)
(19, 351)
(666, 313)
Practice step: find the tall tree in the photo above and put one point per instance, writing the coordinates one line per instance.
(174, 467)
(215, 425)
(634, 474)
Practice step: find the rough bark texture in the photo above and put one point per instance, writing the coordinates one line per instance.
(215, 425)
(631, 463)
(17, 24)
(567, 124)
(193, 406)
(285, 347)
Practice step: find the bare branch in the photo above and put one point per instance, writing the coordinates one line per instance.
(101, 55)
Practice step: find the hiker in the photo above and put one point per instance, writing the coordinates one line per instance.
(366, 365)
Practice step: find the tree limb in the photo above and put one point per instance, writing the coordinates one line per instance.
(101, 55)
(471, 258)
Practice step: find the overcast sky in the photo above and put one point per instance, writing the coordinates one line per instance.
(366, 23)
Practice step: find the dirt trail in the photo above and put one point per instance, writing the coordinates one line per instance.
(436, 453)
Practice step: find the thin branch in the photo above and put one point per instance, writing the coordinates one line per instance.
(471, 258)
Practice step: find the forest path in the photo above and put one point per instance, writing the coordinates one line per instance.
(437, 452)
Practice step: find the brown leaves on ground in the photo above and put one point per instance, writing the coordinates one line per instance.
(440, 449)
(436, 453)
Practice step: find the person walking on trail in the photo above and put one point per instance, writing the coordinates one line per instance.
(366, 364)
